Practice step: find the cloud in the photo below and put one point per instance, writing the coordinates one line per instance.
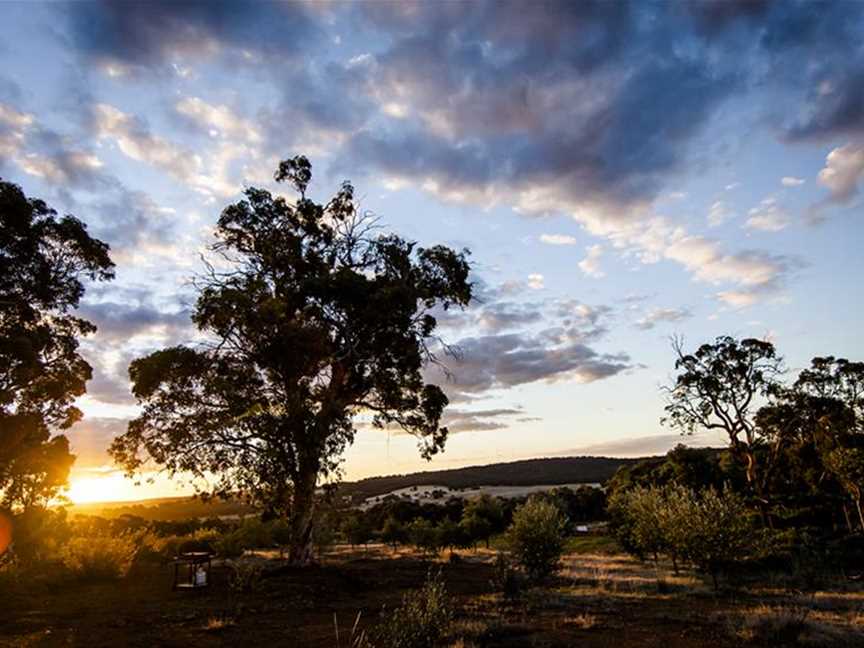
(217, 120)
(91, 437)
(507, 360)
(457, 420)
(790, 181)
(208, 174)
(658, 315)
(43, 153)
(844, 167)
(501, 316)
(558, 239)
(134, 139)
(768, 216)
(535, 281)
(137, 33)
(118, 322)
(718, 214)
(658, 444)
(590, 265)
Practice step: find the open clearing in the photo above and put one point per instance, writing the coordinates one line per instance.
(597, 600)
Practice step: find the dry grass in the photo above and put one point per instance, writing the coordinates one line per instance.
(582, 621)
(219, 623)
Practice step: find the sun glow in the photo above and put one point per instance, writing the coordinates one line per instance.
(111, 485)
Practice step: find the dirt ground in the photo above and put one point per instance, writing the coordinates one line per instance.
(596, 601)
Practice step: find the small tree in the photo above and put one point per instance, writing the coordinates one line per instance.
(481, 517)
(424, 535)
(357, 529)
(393, 532)
(536, 537)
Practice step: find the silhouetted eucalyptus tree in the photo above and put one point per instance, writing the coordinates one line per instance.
(314, 321)
(43, 260)
(720, 387)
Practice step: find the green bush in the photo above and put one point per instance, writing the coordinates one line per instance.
(99, 557)
(230, 545)
(536, 537)
(421, 621)
(201, 540)
(712, 529)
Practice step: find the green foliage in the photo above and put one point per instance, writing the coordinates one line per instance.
(319, 317)
(421, 621)
(230, 545)
(245, 576)
(719, 386)
(711, 529)
(99, 557)
(357, 529)
(507, 578)
(424, 535)
(43, 260)
(394, 532)
(536, 537)
(38, 534)
(481, 517)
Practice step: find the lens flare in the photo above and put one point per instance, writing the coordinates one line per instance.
(5, 532)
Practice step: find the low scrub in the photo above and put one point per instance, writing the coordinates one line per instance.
(99, 557)
(421, 621)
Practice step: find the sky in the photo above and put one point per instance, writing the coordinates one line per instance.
(621, 172)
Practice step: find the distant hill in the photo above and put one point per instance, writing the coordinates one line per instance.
(527, 472)
(163, 508)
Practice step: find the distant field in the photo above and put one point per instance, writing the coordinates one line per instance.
(431, 492)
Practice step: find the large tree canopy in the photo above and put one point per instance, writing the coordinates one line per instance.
(313, 318)
(43, 260)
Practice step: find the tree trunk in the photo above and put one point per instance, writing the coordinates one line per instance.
(848, 519)
(860, 513)
(300, 550)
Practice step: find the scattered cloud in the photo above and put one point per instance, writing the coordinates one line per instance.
(535, 281)
(590, 265)
(789, 181)
(719, 213)
(558, 239)
(218, 120)
(658, 315)
(768, 216)
(844, 167)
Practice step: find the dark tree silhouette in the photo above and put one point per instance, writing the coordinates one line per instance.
(316, 319)
(721, 386)
(43, 260)
(818, 425)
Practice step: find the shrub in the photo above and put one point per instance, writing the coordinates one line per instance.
(421, 621)
(536, 537)
(230, 545)
(773, 626)
(99, 557)
(506, 579)
(720, 531)
(202, 540)
(245, 576)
